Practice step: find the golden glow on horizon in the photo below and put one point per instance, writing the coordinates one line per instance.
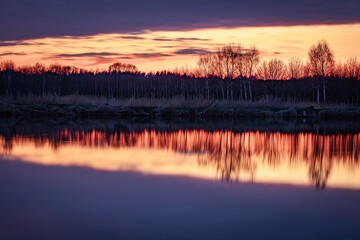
(250, 156)
(159, 50)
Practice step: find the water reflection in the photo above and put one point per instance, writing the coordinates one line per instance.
(269, 156)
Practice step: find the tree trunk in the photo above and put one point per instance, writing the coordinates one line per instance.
(250, 92)
(43, 86)
(8, 89)
(208, 89)
(227, 89)
(222, 89)
(245, 92)
(318, 95)
(241, 91)
(324, 90)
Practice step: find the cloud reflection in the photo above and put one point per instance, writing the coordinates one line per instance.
(299, 158)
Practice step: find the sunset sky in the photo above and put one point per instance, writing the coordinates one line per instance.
(162, 35)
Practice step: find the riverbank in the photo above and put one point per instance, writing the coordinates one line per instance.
(174, 112)
(41, 126)
(76, 106)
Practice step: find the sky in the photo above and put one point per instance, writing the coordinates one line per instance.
(162, 35)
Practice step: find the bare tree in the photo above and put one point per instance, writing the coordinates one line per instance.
(295, 68)
(322, 62)
(227, 52)
(339, 70)
(228, 63)
(8, 67)
(275, 69)
(205, 63)
(262, 71)
(352, 68)
(219, 61)
(242, 64)
(307, 69)
(253, 59)
(122, 67)
(240, 61)
(39, 69)
(68, 80)
(229, 58)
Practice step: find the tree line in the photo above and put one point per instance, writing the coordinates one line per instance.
(234, 61)
(231, 73)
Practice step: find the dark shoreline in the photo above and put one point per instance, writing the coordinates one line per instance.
(191, 113)
(39, 126)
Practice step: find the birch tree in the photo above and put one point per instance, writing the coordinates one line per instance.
(322, 63)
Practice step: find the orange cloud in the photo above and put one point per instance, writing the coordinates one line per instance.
(162, 50)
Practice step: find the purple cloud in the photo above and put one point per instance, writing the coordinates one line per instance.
(28, 19)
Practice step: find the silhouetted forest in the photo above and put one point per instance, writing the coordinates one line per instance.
(231, 73)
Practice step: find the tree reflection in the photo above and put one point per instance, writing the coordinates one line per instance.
(230, 161)
(236, 156)
(319, 168)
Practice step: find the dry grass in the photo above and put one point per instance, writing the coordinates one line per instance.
(178, 101)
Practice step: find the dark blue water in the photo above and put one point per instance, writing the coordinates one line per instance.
(55, 202)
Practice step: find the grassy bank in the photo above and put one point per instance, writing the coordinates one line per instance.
(177, 107)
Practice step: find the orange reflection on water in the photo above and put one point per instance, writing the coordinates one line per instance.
(301, 158)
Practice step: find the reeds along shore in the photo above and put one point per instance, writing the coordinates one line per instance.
(217, 110)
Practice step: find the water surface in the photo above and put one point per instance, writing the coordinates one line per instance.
(221, 180)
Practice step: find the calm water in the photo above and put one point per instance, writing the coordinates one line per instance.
(156, 180)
